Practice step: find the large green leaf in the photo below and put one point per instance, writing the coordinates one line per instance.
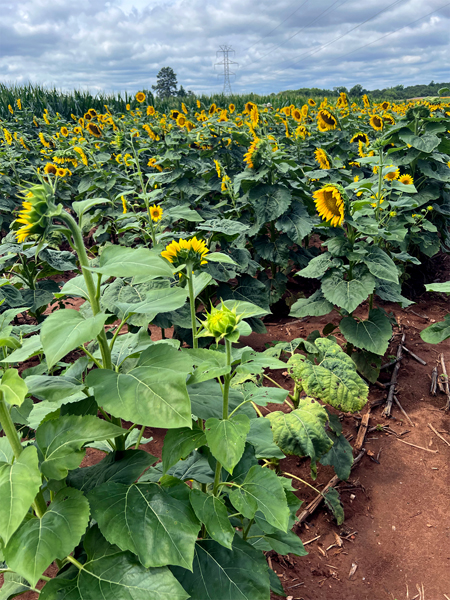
(373, 334)
(120, 467)
(222, 574)
(380, 264)
(438, 287)
(283, 542)
(207, 400)
(46, 387)
(438, 332)
(38, 542)
(248, 289)
(153, 393)
(179, 443)
(156, 301)
(269, 201)
(296, 223)
(111, 574)
(340, 456)
(262, 490)
(60, 440)
(426, 143)
(333, 502)
(146, 520)
(13, 586)
(314, 306)
(30, 347)
(302, 431)
(226, 439)
(211, 511)
(391, 292)
(261, 438)
(66, 329)
(334, 380)
(347, 294)
(319, 265)
(118, 261)
(19, 484)
(13, 387)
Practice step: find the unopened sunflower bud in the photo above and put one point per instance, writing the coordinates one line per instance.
(221, 322)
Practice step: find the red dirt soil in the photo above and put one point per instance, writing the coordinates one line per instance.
(397, 525)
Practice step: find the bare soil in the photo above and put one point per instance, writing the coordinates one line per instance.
(397, 526)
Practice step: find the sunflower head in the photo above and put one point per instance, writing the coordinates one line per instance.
(191, 251)
(376, 122)
(140, 97)
(61, 172)
(406, 179)
(181, 120)
(19, 103)
(360, 137)
(326, 121)
(322, 158)
(33, 217)
(50, 169)
(232, 108)
(392, 175)
(311, 102)
(94, 129)
(156, 213)
(220, 322)
(385, 105)
(296, 114)
(212, 109)
(330, 204)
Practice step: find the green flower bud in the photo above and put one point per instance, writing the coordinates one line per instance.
(429, 208)
(221, 322)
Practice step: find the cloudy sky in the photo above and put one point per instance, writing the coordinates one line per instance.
(279, 44)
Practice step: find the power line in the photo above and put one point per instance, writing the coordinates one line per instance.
(279, 25)
(225, 51)
(295, 34)
(307, 54)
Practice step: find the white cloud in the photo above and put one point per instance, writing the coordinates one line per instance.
(122, 44)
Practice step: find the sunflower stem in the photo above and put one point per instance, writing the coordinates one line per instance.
(192, 305)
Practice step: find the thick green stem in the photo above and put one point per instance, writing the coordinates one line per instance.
(90, 285)
(39, 505)
(225, 395)
(192, 304)
(75, 562)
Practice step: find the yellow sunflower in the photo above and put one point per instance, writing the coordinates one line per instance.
(218, 168)
(360, 137)
(183, 108)
(124, 205)
(191, 251)
(19, 103)
(322, 158)
(385, 105)
(152, 163)
(64, 131)
(376, 122)
(312, 102)
(392, 175)
(150, 110)
(61, 172)
(156, 213)
(94, 129)
(406, 179)
(33, 214)
(389, 119)
(231, 108)
(50, 169)
(181, 120)
(248, 156)
(296, 114)
(325, 120)
(140, 97)
(330, 204)
(212, 109)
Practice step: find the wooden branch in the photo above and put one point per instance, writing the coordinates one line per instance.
(331, 484)
(438, 434)
(445, 382)
(434, 380)
(419, 360)
(402, 410)
(418, 447)
(390, 398)
(362, 431)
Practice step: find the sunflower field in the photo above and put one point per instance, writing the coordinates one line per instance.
(199, 221)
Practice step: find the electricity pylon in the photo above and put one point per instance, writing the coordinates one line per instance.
(226, 62)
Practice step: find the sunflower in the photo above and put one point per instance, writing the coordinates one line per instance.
(225, 182)
(296, 115)
(152, 163)
(389, 119)
(392, 175)
(305, 109)
(360, 137)
(19, 103)
(198, 104)
(128, 107)
(124, 205)
(77, 130)
(385, 105)
(212, 109)
(191, 251)
(248, 156)
(92, 112)
(8, 137)
(231, 108)
(150, 111)
(181, 120)
(376, 122)
(301, 131)
(33, 213)
(126, 158)
(82, 155)
(94, 129)
(10, 108)
(64, 131)
(286, 111)
(366, 101)
(254, 116)
(312, 102)
(322, 158)
(325, 120)
(156, 213)
(60, 172)
(50, 169)
(330, 204)
(218, 168)
(406, 179)
(140, 97)
(87, 116)
(248, 107)
(184, 108)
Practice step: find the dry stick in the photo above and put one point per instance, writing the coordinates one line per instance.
(434, 380)
(362, 431)
(419, 360)
(438, 434)
(390, 398)
(447, 390)
(389, 364)
(331, 484)
(403, 410)
(419, 447)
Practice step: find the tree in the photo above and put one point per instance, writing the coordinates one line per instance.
(181, 92)
(166, 83)
(357, 90)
